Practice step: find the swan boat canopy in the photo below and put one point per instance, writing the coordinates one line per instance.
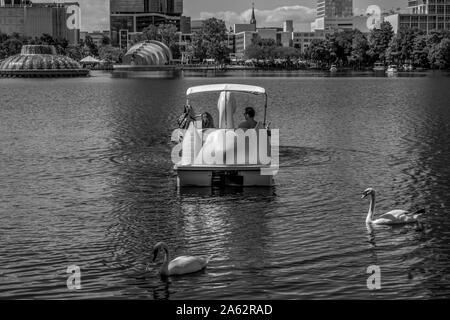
(224, 155)
(230, 87)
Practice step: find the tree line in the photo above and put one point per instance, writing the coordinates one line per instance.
(358, 50)
(12, 44)
(352, 49)
(209, 42)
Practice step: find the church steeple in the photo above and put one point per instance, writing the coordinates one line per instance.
(253, 20)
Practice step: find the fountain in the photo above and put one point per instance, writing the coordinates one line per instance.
(40, 61)
(149, 55)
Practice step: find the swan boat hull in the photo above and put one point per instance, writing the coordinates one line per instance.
(209, 176)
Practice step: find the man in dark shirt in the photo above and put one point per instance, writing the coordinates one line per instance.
(249, 122)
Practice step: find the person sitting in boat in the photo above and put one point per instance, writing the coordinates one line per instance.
(207, 120)
(249, 122)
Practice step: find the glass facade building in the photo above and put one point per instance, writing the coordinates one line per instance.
(133, 16)
(440, 7)
(334, 8)
(425, 15)
(334, 15)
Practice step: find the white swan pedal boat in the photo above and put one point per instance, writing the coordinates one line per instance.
(225, 155)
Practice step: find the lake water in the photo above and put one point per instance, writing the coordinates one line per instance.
(86, 179)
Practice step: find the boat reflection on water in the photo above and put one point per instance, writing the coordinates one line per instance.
(266, 192)
(227, 223)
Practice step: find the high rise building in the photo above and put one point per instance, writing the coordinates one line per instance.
(288, 26)
(133, 16)
(425, 15)
(185, 24)
(334, 15)
(334, 8)
(60, 20)
(440, 7)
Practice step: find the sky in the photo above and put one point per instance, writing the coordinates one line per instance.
(269, 13)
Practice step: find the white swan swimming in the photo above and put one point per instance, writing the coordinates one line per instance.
(391, 217)
(178, 266)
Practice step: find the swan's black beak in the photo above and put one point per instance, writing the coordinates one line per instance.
(364, 195)
(155, 255)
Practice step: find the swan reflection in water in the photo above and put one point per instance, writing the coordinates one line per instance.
(162, 292)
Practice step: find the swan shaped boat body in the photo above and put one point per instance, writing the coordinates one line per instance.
(180, 265)
(226, 155)
(394, 217)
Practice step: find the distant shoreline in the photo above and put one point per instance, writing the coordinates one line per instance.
(181, 67)
(249, 68)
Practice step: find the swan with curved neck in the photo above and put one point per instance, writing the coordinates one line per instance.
(180, 265)
(391, 217)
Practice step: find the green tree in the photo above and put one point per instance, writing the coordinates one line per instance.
(198, 49)
(286, 53)
(212, 40)
(420, 51)
(106, 41)
(435, 37)
(3, 37)
(47, 39)
(165, 33)
(75, 52)
(318, 51)
(261, 49)
(439, 54)
(151, 33)
(90, 45)
(360, 46)
(401, 47)
(10, 47)
(110, 53)
(393, 52)
(379, 41)
(254, 51)
(169, 36)
(339, 45)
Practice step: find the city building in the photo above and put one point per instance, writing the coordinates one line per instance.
(288, 26)
(59, 20)
(277, 29)
(334, 15)
(244, 34)
(185, 24)
(241, 27)
(129, 17)
(196, 25)
(242, 41)
(245, 39)
(426, 15)
(302, 40)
